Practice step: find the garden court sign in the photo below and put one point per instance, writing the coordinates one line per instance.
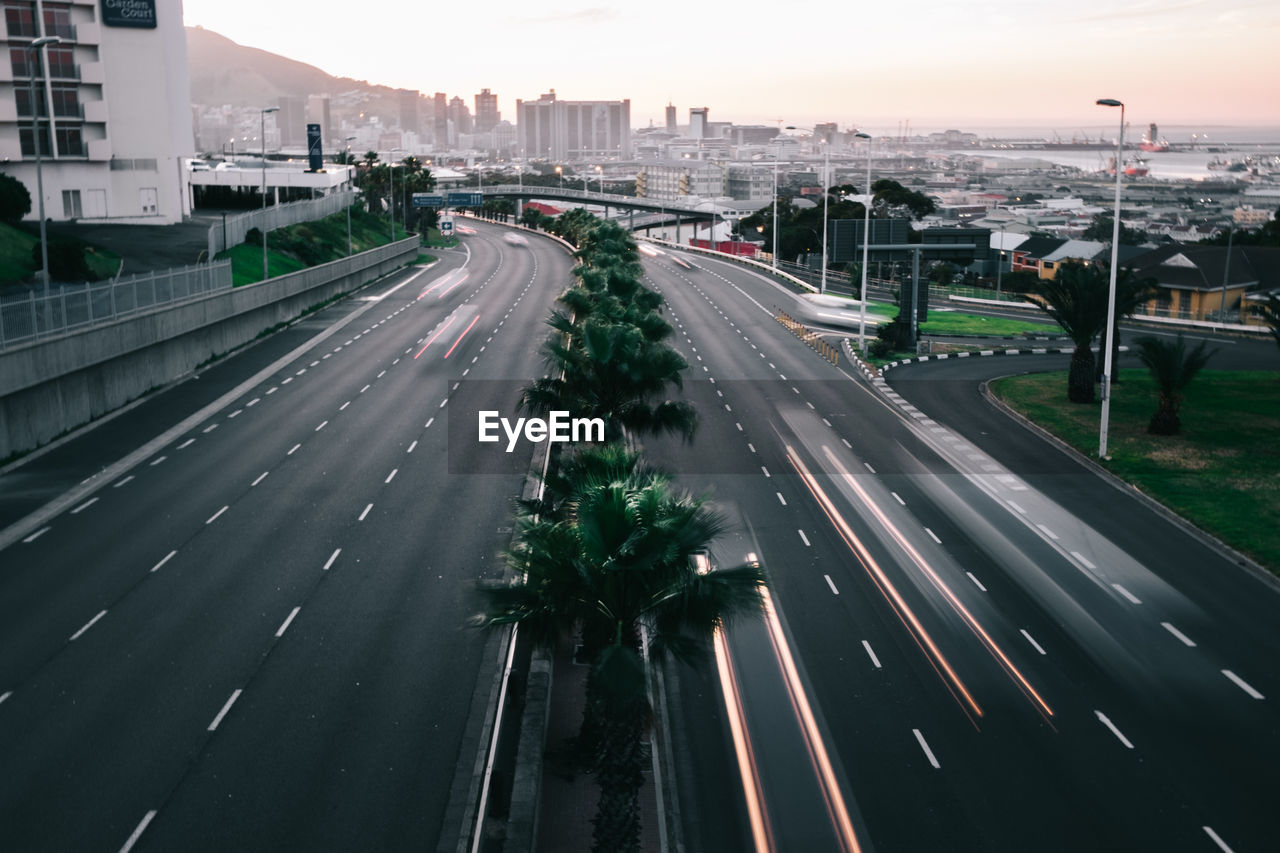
(129, 13)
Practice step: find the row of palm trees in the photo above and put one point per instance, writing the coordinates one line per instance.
(607, 553)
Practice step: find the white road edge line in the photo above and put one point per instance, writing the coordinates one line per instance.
(1115, 731)
(225, 708)
(88, 625)
(927, 751)
(141, 828)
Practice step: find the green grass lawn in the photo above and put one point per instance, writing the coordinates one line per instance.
(957, 323)
(1222, 472)
(18, 264)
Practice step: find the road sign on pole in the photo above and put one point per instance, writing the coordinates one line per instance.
(427, 200)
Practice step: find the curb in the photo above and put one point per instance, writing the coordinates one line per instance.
(985, 352)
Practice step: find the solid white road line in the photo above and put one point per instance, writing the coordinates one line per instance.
(875, 661)
(1242, 684)
(832, 584)
(137, 833)
(167, 558)
(1115, 731)
(285, 627)
(88, 625)
(332, 557)
(1032, 641)
(927, 751)
(1186, 641)
(1217, 839)
(225, 708)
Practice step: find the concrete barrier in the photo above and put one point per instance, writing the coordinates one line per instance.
(50, 387)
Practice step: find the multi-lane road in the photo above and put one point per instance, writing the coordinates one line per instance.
(244, 631)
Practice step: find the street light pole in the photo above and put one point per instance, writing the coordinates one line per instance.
(264, 229)
(1111, 295)
(774, 229)
(866, 239)
(391, 189)
(826, 194)
(34, 47)
(348, 140)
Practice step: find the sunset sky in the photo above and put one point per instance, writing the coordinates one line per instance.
(938, 63)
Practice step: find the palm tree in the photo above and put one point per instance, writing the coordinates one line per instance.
(1077, 299)
(1269, 311)
(1172, 368)
(621, 559)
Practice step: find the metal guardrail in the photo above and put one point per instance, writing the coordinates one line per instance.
(232, 230)
(27, 316)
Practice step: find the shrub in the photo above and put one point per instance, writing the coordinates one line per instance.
(66, 260)
(15, 200)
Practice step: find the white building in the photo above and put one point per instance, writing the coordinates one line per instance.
(668, 180)
(118, 91)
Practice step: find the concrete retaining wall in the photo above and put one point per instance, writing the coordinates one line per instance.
(50, 387)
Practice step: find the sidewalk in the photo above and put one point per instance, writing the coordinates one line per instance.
(568, 802)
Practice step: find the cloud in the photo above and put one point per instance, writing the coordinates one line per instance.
(1141, 10)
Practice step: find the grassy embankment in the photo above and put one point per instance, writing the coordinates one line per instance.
(310, 243)
(1222, 472)
(17, 262)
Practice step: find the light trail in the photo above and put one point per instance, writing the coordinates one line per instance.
(761, 832)
(895, 599)
(474, 320)
(432, 339)
(445, 292)
(939, 584)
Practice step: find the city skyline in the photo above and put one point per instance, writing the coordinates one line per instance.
(998, 65)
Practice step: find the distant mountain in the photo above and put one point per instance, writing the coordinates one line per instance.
(223, 72)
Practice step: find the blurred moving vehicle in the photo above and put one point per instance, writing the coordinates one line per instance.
(516, 239)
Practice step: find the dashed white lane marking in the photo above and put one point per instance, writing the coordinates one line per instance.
(34, 536)
(1217, 839)
(332, 557)
(365, 513)
(225, 708)
(158, 460)
(273, 389)
(933, 536)
(739, 426)
(1047, 532)
(1115, 731)
(88, 625)
(323, 424)
(411, 447)
(875, 661)
(976, 582)
(5, 695)
(1083, 560)
(832, 584)
(846, 443)
(766, 471)
(167, 558)
(869, 468)
(84, 506)
(391, 475)
(255, 401)
(1242, 684)
(1186, 641)
(1016, 508)
(261, 477)
(122, 482)
(293, 449)
(186, 444)
(928, 753)
(781, 499)
(430, 421)
(1032, 641)
(1133, 599)
(234, 414)
(751, 447)
(137, 832)
(804, 539)
(365, 388)
(898, 498)
(344, 405)
(285, 626)
(214, 517)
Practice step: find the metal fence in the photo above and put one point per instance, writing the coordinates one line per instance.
(232, 230)
(29, 316)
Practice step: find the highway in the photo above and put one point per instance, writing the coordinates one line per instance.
(248, 633)
(1005, 652)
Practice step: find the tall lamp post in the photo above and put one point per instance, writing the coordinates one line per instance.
(560, 174)
(826, 165)
(866, 239)
(391, 189)
(348, 140)
(263, 116)
(34, 47)
(1111, 295)
(774, 227)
